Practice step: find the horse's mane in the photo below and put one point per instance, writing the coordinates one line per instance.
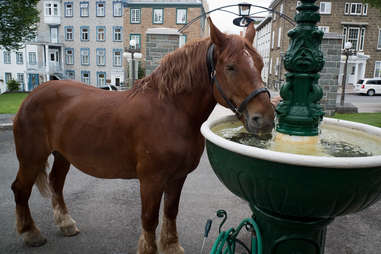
(179, 71)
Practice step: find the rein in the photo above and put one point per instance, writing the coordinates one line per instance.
(212, 73)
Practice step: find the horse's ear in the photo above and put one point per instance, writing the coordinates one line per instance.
(250, 33)
(216, 35)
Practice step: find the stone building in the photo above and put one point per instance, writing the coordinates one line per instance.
(357, 22)
(262, 44)
(143, 17)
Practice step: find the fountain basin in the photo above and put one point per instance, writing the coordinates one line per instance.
(301, 187)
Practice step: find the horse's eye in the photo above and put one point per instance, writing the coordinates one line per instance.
(230, 67)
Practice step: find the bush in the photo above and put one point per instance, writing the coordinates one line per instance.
(13, 85)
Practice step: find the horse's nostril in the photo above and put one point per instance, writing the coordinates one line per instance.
(257, 119)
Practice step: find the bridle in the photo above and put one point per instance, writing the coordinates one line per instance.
(212, 73)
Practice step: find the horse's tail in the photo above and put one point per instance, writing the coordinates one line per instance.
(42, 182)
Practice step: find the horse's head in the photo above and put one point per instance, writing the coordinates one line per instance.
(238, 69)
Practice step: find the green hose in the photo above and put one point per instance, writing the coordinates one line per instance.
(227, 239)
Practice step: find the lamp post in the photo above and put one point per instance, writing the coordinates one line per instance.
(244, 13)
(348, 51)
(130, 52)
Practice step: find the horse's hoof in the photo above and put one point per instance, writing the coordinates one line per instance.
(173, 248)
(145, 248)
(33, 238)
(70, 230)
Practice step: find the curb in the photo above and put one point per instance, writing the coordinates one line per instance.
(6, 126)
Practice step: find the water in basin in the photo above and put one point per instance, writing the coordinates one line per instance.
(333, 141)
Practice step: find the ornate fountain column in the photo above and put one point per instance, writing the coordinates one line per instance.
(299, 113)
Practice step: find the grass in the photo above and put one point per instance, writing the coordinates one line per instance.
(367, 118)
(10, 102)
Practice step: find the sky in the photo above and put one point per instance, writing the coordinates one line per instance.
(224, 20)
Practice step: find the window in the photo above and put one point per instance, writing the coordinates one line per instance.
(32, 57)
(85, 77)
(279, 36)
(51, 9)
(356, 9)
(101, 78)
(353, 36)
(20, 79)
(68, 9)
(182, 40)
(281, 8)
(8, 76)
(117, 9)
(101, 33)
(365, 10)
(273, 40)
(117, 57)
(84, 9)
(135, 16)
(70, 74)
(181, 16)
(379, 39)
(19, 58)
(157, 16)
(69, 56)
(7, 57)
(85, 56)
(101, 56)
(347, 8)
(136, 37)
(84, 33)
(362, 39)
(325, 7)
(54, 34)
(277, 66)
(69, 33)
(377, 69)
(325, 29)
(117, 33)
(100, 9)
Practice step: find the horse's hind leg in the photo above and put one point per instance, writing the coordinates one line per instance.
(169, 241)
(22, 188)
(57, 180)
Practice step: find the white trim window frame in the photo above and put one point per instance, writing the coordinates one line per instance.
(377, 69)
(356, 9)
(325, 7)
(379, 39)
(353, 36)
(51, 9)
(347, 8)
(325, 29)
(362, 39)
(279, 36)
(365, 10)
(273, 40)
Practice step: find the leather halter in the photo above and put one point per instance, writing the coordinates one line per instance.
(212, 72)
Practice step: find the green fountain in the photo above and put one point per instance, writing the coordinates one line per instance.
(295, 197)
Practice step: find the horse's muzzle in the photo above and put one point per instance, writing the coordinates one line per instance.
(259, 125)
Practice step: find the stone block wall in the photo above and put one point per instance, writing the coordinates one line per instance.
(329, 76)
(157, 46)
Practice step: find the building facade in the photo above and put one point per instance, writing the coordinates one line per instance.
(92, 35)
(144, 15)
(262, 44)
(12, 66)
(357, 22)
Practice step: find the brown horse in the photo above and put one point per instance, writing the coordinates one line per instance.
(151, 132)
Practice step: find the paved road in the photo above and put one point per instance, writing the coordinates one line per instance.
(108, 214)
(371, 104)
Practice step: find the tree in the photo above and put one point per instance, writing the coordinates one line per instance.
(18, 19)
(373, 3)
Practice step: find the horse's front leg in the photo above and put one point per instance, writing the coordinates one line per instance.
(151, 191)
(169, 241)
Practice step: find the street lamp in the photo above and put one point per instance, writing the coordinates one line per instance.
(348, 51)
(244, 13)
(129, 52)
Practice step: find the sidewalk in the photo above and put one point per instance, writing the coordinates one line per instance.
(6, 121)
